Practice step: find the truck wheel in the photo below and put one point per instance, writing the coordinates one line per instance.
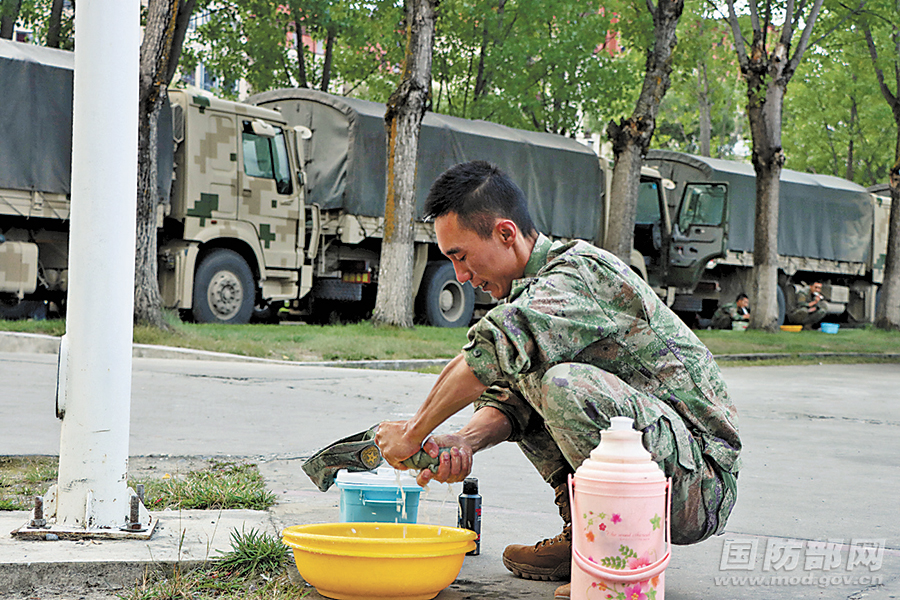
(223, 289)
(442, 300)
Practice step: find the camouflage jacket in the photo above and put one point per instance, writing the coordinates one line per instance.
(802, 299)
(731, 310)
(577, 303)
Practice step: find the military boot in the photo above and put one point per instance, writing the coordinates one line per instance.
(550, 559)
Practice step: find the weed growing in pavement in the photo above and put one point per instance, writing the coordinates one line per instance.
(254, 553)
(255, 568)
(23, 477)
(223, 485)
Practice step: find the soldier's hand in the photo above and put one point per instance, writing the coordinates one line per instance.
(456, 463)
(394, 443)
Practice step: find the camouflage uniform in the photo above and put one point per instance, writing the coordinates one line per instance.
(725, 314)
(800, 315)
(581, 339)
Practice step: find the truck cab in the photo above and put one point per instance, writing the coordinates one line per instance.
(233, 235)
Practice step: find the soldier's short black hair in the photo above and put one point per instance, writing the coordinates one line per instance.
(479, 192)
(740, 297)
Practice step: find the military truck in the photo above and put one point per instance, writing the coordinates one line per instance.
(228, 236)
(281, 200)
(565, 183)
(829, 229)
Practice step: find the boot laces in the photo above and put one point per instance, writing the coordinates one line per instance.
(564, 537)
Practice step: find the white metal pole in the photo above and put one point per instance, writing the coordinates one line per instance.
(93, 462)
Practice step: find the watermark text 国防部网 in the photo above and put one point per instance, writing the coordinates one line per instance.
(786, 562)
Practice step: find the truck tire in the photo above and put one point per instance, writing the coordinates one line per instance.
(442, 301)
(223, 289)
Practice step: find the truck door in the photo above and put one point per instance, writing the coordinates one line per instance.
(268, 198)
(699, 233)
(651, 229)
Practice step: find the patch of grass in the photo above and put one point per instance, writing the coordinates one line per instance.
(223, 485)
(254, 553)
(861, 340)
(255, 568)
(23, 477)
(365, 341)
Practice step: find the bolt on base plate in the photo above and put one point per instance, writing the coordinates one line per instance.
(26, 532)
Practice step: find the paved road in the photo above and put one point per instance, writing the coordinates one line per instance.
(822, 449)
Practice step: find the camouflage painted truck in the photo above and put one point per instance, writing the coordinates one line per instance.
(829, 229)
(229, 239)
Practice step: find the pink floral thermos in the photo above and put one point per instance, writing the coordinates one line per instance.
(620, 520)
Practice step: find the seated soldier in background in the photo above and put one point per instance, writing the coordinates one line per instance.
(809, 308)
(725, 315)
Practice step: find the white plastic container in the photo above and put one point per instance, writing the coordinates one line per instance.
(377, 497)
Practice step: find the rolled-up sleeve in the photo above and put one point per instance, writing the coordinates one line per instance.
(516, 410)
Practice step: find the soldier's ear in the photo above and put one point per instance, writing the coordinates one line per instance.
(507, 231)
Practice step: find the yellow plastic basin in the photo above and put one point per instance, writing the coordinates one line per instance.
(356, 561)
(792, 328)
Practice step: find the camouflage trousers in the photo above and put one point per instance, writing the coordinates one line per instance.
(575, 403)
(802, 316)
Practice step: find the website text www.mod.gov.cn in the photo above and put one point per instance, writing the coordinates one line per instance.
(797, 580)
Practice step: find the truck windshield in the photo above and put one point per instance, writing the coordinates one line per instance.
(702, 204)
(267, 158)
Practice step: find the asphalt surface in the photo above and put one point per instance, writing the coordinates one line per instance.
(817, 502)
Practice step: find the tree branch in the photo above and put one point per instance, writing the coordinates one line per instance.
(787, 31)
(879, 74)
(853, 13)
(740, 43)
(804, 38)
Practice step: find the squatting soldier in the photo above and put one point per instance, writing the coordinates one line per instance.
(809, 307)
(736, 311)
(580, 339)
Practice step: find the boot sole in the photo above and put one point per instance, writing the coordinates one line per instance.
(561, 573)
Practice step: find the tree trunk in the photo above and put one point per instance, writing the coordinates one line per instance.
(55, 25)
(302, 80)
(403, 119)
(163, 35)
(766, 88)
(767, 75)
(631, 137)
(705, 110)
(326, 67)
(9, 14)
(887, 314)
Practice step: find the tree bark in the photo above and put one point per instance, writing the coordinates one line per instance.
(631, 137)
(302, 80)
(55, 26)
(163, 35)
(403, 119)
(705, 110)
(329, 52)
(9, 14)
(765, 107)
